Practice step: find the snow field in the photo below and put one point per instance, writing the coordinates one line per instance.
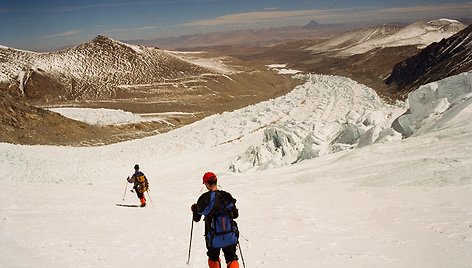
(402, 203)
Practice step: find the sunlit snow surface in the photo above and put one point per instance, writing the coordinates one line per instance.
(358, 196)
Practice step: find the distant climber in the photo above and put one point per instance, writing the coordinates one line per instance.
(141, 184)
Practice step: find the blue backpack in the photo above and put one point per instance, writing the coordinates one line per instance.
(223, 229)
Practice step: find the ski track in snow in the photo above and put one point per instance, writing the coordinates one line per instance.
(404, 203)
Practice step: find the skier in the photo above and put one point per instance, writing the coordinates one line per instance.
(218, 207)
(141, 184)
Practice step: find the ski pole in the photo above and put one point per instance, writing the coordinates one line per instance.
(126, 188)
(190, 244)
(241, 252)
(150, 198)
(243, 237)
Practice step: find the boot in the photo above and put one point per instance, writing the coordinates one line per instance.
(233, 264)
(214, 264)
(143, 202)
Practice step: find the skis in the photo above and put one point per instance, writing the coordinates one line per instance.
(129, 206)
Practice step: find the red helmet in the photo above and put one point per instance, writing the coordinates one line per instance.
(209, 177)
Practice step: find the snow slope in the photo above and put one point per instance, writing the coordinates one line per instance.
(419, 34)
(402, 203)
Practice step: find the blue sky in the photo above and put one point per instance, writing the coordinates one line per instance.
(42, 25)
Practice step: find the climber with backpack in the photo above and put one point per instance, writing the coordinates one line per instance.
(141, 184)
(221, 231)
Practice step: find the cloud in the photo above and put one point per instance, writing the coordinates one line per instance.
(271, 8)
(131, 30)
(146, 28)
(449, 8)
(336, 15)
(64, 34)
(255, 17)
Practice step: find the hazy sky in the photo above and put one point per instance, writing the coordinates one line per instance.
(40, 25)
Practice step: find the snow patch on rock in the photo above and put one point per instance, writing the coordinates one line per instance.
(99, 117)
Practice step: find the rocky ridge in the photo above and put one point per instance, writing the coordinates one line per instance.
(439, 60)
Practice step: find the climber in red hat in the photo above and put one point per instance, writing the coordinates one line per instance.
(221, 231)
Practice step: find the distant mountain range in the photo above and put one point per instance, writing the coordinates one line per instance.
(105, 68)
(368, 55)
(254, 37)
(419, 34)
(439, 60)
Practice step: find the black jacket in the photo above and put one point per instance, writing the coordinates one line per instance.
(222, 199)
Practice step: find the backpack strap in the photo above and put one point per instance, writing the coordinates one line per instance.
(210, 206)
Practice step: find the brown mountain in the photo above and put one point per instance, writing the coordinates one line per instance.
(98, 69)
